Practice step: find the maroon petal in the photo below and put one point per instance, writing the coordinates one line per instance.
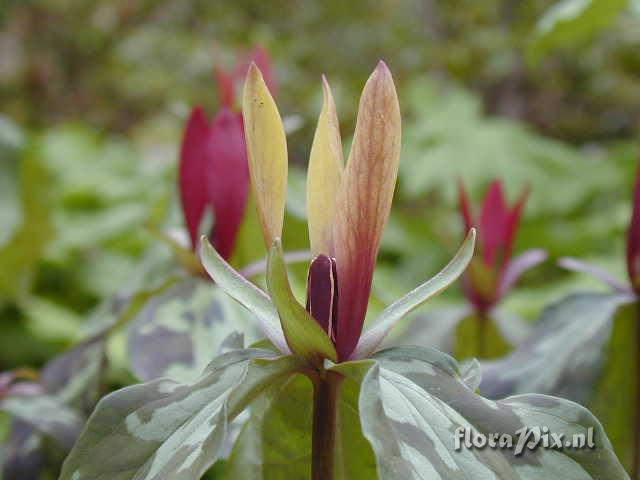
(322, 293)
(193, 193)
(633, 238)
(227, 179)
(492, 228)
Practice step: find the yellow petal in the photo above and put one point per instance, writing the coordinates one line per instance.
(325, 170)
(363, 202)
(267, 153)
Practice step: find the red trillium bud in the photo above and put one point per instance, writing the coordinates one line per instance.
(497, 227)
(214, 175)
(322, 293)
(633, 239)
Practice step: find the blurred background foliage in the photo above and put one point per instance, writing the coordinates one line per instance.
(94, 95)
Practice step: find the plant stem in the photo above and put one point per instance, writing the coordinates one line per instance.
(635, 467)
(481, 339)
(326, 389)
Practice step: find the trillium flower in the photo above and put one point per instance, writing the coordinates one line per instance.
(632, 254)
(214, 175)
(348, 207)
(492, 273)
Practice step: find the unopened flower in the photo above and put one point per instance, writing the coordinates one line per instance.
(348, 207)
(214, 176)
(492, 271)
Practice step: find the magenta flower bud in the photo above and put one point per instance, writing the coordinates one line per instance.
(492, 272)
(214, 174)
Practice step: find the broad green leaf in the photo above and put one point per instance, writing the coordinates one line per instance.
(267, 153)
(20, 254)
(615, 396)
(373, 336)
(244, 292)
(304, 335)
(413, 402)
(178, 332)
(172, 430)
(570, 22)
(326, 164)
(563, 355)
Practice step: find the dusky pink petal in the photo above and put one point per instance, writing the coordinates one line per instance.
(363, 202)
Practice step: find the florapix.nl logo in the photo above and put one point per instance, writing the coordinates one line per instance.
(529, 438)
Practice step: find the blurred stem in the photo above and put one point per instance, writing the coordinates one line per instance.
(635, 466)
(481, 346)
(326, 389)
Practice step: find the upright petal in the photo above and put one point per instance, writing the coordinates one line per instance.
(267, 153)
(227, 177)
(492, 226)
(326, 164)
(363, 202)
(513, 222)
(633, 239)
(193, 194)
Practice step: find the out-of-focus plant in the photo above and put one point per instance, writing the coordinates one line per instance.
(317, 391)
(174, 332)
(585, 347)
(480, 329)
(492, 273)
(46, 410)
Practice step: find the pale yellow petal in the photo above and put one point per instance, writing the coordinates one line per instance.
(267, 153)
(323, 179)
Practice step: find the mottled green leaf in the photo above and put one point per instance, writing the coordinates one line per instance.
(563, 356)
(244, 292)
(178, 332)
(74, 378)
(172, 430)
(413, 402)
(47, 415)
